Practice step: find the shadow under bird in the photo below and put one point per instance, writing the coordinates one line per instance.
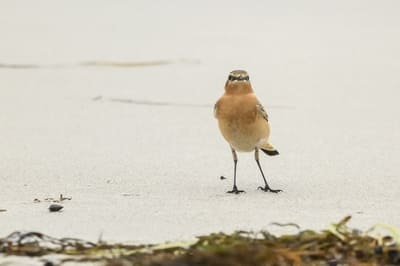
(243, 123)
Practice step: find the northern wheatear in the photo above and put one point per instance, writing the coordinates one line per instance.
(243, 122)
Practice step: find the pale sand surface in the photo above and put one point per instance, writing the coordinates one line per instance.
(327, 73)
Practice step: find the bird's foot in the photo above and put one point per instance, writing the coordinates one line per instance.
(268, 189)
(235, 190)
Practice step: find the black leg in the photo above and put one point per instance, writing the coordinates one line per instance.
(235, 160)
(266, 188)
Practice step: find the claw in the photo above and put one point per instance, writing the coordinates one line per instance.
(268, 189)
(235, 190)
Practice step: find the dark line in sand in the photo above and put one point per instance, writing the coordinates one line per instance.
(117, 64)
(144, 102)
(125, 64)
(18, 66)
(34, 66)
(160, 103)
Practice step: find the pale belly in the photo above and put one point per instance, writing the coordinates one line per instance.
(242, 144)
(246, 137)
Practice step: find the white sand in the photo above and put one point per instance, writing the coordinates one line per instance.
(327, 72)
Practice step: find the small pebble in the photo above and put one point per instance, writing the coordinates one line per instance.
(378, 250)
(394, 256)
(333, 262)
(55, 207)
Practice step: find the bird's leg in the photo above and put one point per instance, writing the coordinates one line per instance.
(234, 190)
(266, 188)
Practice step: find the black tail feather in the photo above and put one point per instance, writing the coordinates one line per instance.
(270, 153)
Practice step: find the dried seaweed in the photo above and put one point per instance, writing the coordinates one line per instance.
(337, 245)
(61, 198)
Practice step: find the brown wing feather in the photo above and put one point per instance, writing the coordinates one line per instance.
(261, 111)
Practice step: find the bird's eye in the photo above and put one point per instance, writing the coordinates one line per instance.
(230, 78)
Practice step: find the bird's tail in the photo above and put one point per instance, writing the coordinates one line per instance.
(269, 150)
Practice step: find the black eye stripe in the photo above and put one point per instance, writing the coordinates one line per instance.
(232, 78)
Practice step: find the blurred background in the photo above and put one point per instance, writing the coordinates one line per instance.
(111, 102)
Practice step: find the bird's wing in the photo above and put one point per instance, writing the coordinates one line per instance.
(216, 109)
(261, 111)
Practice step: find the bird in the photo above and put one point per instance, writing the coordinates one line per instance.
(244, 123)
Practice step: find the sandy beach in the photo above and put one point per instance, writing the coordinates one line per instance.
(136, 146)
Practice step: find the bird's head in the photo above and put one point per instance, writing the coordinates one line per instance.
(238, 83)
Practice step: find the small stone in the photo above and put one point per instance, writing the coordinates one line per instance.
(394, 256)
(333, 262)
(378, 250)
(55, 207)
